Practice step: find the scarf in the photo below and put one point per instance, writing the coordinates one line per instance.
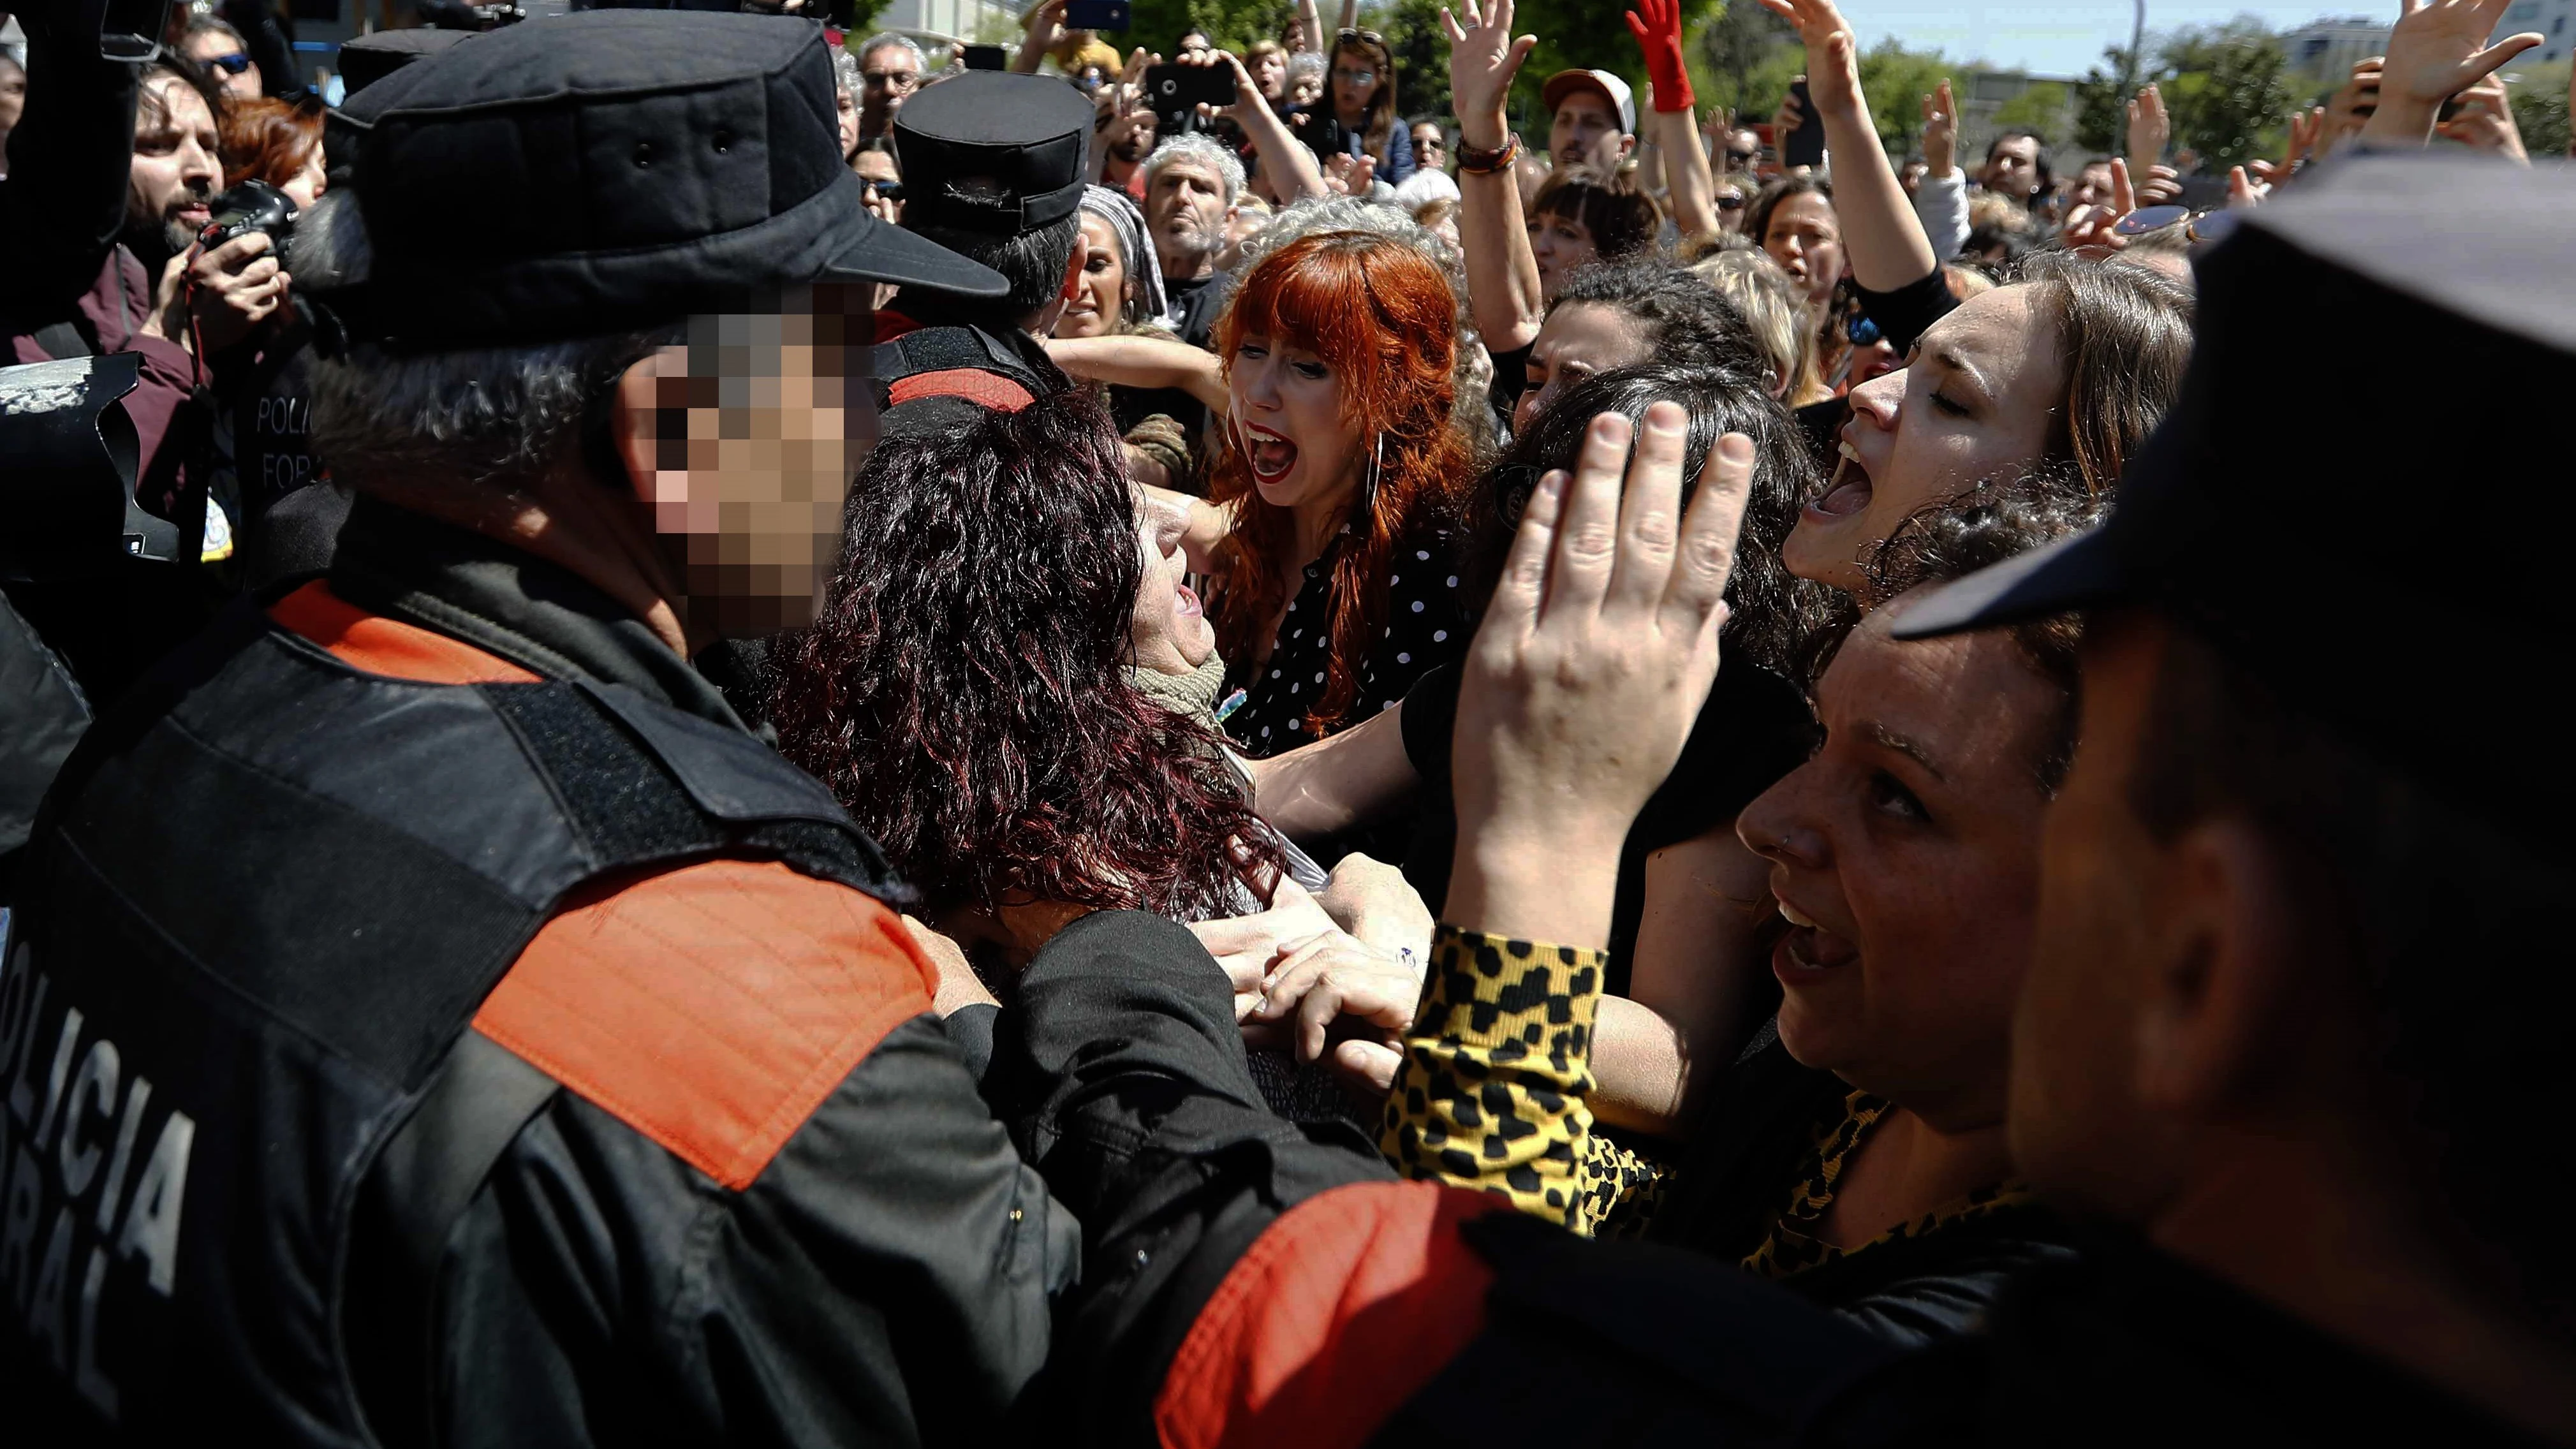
(1192, 696)
(1144, 273)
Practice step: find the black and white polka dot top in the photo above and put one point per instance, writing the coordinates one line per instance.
(1426, 624)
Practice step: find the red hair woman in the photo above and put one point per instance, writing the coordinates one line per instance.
(1344, 473)
(273, 141)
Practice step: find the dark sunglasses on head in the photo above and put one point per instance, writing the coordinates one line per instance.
(1344, 37)
(233, 64)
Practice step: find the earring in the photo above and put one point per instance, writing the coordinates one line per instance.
(1377, 466)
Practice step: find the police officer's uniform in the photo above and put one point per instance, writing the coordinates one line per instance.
(433, 1017)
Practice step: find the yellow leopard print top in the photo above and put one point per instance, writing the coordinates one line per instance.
(1492, 1092)
(1792, 1246)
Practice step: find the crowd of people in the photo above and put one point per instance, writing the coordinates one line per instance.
(715, 732)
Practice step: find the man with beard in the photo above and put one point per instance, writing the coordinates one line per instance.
(1191, 184)
(1126, 139)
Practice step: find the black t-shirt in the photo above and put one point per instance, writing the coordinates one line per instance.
(1201, 303)
(1755, 728)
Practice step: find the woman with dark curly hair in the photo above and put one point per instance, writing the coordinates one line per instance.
(966, 692)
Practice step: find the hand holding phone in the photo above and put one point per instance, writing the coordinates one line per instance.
(1804, 146)
(1096, 14)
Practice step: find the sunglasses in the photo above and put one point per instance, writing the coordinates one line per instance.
(1861, 330)
(1730, 203)
(1739, 159)
(2198, 226)
(233, 64)
(1344, 37)
(1356, 77)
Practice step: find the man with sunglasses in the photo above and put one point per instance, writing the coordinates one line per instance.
(219, 50)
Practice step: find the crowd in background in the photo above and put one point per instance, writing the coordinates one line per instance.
(1300, 534)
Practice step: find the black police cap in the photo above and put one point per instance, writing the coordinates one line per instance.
(612, 170)
(990, 151)
(367, 59)
(2353, 400)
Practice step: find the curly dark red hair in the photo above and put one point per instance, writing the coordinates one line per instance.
(267, 140)
(965, 694)
(1381, 315)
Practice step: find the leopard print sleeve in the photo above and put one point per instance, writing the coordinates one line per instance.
(1496, 1070)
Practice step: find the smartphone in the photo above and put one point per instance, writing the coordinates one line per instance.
(131, 30)
(1322, 134)
(1176, 89)
(986, 57)
(1804, 146)
(1095, 14)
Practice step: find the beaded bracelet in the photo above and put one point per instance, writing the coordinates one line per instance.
(1474, 162)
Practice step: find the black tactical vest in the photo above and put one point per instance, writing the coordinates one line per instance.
(269, 895)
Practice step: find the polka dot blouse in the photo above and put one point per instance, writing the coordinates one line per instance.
(1426, 624)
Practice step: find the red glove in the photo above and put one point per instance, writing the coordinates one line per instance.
(1659, 35)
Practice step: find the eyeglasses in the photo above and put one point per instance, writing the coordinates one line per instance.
(891, 80)
(1730, 203)
(233, 64)
(1355, 77)
(1344, 37)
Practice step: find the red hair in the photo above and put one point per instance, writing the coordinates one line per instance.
(1381, 315)
(266, 140)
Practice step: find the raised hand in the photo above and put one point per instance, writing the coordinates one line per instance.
(1657, 24)
(1346, 175)
(2091, 231)
(2436, 50)
(1584, 679)
(1483, 58)
(2485, 122)
(1941, 131)
(1833, 55)
(2150, 128)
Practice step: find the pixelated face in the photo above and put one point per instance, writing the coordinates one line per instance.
(757, 425)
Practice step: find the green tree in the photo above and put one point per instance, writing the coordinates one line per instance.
(2228, 91)
(1896, 80)
(1158, 25)
(2036, 109)
(2101, 107)
(1421, 50)
(1742, 59)
(2540, 109)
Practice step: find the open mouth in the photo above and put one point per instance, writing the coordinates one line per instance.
(1848, 491)
(1270, 455)
(1808, 952)
(1187, 605)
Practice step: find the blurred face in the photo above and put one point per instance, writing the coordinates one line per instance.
(226, 63)
(1284, 405)
(175, 171)
(1185, 209)
(875, 166)
(2092, 186)
(1905, 858)
(1807, 242)
(1976, 401)
(1193, 46)
(1577, 340)
(1270, 75)
(1355, 79)
(889, 75)
(1585, 132)
(13, 93)
(848, 104)
(1912, 176)
(1168, 633)
(1430, 148)
(1743, 150)
(1560, 244)
(1101, 298)
(2077, 1126)
(742, 444)
(1732, 204)
(1304, 90)
(309, 181)
(2013, 168)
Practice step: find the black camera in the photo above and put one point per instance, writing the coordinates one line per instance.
(249, 207)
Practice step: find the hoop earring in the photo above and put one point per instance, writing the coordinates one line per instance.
(1377, 467)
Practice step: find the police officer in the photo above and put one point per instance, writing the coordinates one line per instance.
(436, 1018)
(993, 170)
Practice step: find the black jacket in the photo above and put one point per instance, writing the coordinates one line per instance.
(462, 1124)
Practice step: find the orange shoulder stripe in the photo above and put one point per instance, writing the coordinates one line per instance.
(1335, 1316)
(712, 1008)
(380, 645)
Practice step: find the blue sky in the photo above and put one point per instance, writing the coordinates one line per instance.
(2059, 38)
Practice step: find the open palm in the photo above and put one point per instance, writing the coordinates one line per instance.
(2438, 48)
(1483, 56)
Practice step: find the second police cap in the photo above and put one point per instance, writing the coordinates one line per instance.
(2335, 499)
(993, 152)
(610, 170)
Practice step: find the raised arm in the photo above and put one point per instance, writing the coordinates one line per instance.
(1672, 127)
(1310, 29)
(1146, 362)
(1045, 31)
(1882, 239)
(1287, 161)
(1502, 274)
